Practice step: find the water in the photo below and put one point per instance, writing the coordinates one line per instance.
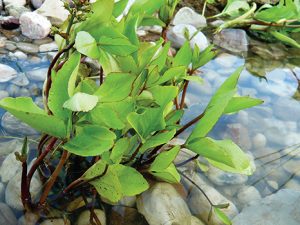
(269, 132)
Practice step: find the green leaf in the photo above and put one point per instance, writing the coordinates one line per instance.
(95, 170)
(238, 103)
(147, 52)
(158, 139)
(96, 140)
(149, 20)
(170, 174)
(87, 86)
(117, 46)
(170, 74)
(132, 182)
(120, 148)
(63, 86)
(199, 59)
(173, 117)
(216, 106)
(86, 45)
(234, 8)
(147, 122)
(25, 110)
(116, 87)
(163, 95)
(195, 78)
(162, 56)
(183, 56)
(119, 7)
(223, 154)
(222, 216)
(147, 6)
(81, 102)
(285, 39)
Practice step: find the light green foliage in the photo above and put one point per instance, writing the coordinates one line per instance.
(86, 45)
(239, 103)
(81, 102)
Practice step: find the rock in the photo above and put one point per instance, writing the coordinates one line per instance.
(177, 36)
(21, 80)
(259, 141)
(56, 222)
(221, 178)
(239, 134)
(27, 47)
(292, 184)
(247, 195)
(45, 40)
(187, 15)
(226, 60)
(23, 92)
(162, 205)
(9, 167)
(125, 216)
(7, 216)
(284, 108)
(37, 3)
(13, 191)
(128, 201)
(48, 47)
(291, 139)
(20, 55)
(281, 208)
(234, 40)
(10, 46)
(16, 11)
(199, 205)
(28, 219)
(14, 126)
(34, 26)
(243, 117)
(14, 2)
(84, 217)
(3, 94)
(13, 90)
(7, 147)
(38, 74)
(54, 10)
(7, 73)
(196, 221)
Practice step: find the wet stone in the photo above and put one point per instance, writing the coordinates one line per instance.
(84, 217)
(37, 74)
(21, 80)
(56, 222)
(3, 94)
(7, 73)
(7, 216)
(28, 47)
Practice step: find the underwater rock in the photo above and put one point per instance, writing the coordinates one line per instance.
(7, 216)
(177, 35)
(13, 191)
(84, 218)
(16, 10)
(199, 205)
(196, 221)
(7, 73)
(3, 94)
(48, 47)
(248, 194)
(28, 219)
(21, 80)
(163, 205)
(234, 40)
(56, 222)
(14, 126)
(19, 55)
(14, 2)
(34, 26)
(259, 141)
(9, 167)
(27, 47)
(2, 190)
(54, 10)
(187, 15)
(226, 60)
(37, 74)
(125, 216)
(281, 208)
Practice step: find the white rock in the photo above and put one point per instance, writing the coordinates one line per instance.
(196, 221)
(21, 80)
(27, 47)
(34, 26)
(14, 2)
(281, 208)
(13, 191)
(199, 205)
(187, 15)
(7, 216)
(247, 195)
(37, 3)
(162, 205)
(37, 74)
(177, 36)
(7, 147)
(28, 219)
(291, 139)
(48, 47)
(7, 73)
(54, 10)
(20, 55)
(84, 218)
(9, 168)
(259, 141)
(2, 191)
(56, 222)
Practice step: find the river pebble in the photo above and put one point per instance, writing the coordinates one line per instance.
(7, 216)
(7, 73)
(84, 217)
(37, 74)
(187, 15)
(28, 47)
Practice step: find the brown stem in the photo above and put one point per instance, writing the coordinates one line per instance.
(38, 161)
(72, 185)
(53, 178)
(25, 193)
(187, 161)
(134, 154)
(186, 84)
(187, 125)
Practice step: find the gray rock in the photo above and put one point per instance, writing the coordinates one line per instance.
(177, 36)
(28, 219)
(239, 134)
(24, 92)
(38, 74)
(54, 10)
(7, 73)
(21, 80)
(16, 11)
(14, 126)
(234, 40)
(48, 47)
(3, 94)
(10, 46)
(7, 147)
(13, 90)
(199, 205)
(2, 191)
(20, 55)
(45, 40)
(162, 205)
(34, 26)
(56, 222)
(284, 108)
(84, 217)
(37, 3)
(281, 208)
(221, 178)
(226, 60)
(187, 15)
(196, 221)
(14, 2)
(7, 216)
(259, 141)
(9, 168)
(28, 47)
(13, 191)
(247, 195)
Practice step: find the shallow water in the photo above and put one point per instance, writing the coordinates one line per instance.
(265, 131)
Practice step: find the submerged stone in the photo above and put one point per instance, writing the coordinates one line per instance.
(187, 15)
(7, 73)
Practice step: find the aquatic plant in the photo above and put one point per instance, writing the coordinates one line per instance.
(113, 129)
